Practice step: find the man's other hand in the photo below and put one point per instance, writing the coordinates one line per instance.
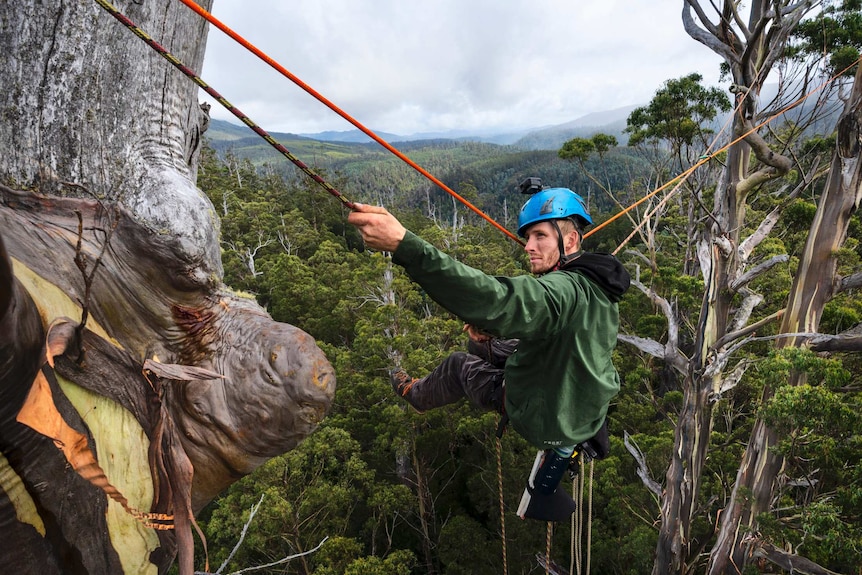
(476, 334)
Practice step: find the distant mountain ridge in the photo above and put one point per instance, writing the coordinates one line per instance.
(543, 137)
(611, 122)
(539, 138)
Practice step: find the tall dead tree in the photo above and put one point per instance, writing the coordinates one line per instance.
(134, 386)
(725, 240)
(816, 282)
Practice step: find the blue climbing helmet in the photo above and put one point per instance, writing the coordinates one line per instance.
(553, 204)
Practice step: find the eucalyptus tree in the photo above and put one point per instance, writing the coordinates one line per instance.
(819, 278)
(736, 253)
(580, 149)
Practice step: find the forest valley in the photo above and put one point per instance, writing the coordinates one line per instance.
(399, 492)
(192, 336)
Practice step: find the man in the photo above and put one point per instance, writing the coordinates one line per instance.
(562, 323)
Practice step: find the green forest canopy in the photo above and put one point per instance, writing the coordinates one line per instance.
(394, 490)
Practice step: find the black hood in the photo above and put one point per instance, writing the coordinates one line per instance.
(604, 270)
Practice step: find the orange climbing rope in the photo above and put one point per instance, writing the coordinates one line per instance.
(293, 78)
(296, 80)
(242, 41)
(706, 157)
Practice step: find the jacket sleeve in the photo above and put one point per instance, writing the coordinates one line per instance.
(516, 307)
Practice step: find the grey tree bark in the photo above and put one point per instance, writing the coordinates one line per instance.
(722, 252)
(816, 282)
(751, 43)
(134, 385)
(85, 103)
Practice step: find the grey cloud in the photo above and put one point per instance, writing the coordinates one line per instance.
(406, 67)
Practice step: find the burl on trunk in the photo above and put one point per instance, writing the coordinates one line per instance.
(131, 391)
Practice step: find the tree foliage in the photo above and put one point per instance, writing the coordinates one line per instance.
(418, 492)
(679, 114)
(400, 492)
(835, 32)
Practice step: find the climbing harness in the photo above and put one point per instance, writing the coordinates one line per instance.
(296, 80)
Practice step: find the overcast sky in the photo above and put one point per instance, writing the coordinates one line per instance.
(412, 66)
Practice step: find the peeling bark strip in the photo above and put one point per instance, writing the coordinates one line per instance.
(40, 413)
(42, 533)
(195, 367)
(814, 285)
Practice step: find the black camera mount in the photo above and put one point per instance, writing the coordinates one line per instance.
(531, 186)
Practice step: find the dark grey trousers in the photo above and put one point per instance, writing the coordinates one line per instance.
(476, 375)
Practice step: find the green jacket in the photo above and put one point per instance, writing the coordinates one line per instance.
(561, 379)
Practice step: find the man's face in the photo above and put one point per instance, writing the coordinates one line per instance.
(542, 247)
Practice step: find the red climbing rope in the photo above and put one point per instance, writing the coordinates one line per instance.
(293, 78)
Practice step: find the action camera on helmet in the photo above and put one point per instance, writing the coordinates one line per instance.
(531, 186)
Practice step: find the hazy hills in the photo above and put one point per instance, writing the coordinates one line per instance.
(492, 164)
(228, 134)
(238, 137)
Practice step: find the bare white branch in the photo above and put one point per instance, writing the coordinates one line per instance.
(653, 486)
(704, 256)
(763, 230)
(765, 227)
(729, 337)
(757, 271)
(242, 535)
(640, 256)
(251, 514)
(746, 308)
(731, 380)
(670, 352)
(648, 346)
(274, 563)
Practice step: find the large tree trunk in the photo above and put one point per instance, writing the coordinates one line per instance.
(721, 255)
(87, 106)
(134, 386)
(812, 288)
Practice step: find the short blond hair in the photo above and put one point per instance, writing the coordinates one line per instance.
(569, 225)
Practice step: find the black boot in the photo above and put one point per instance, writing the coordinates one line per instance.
(542, 499)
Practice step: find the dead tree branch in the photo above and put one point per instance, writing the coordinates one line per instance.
(757, 271)
(790, 562)
(281, 561)
(642, 471)
(242, 534)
